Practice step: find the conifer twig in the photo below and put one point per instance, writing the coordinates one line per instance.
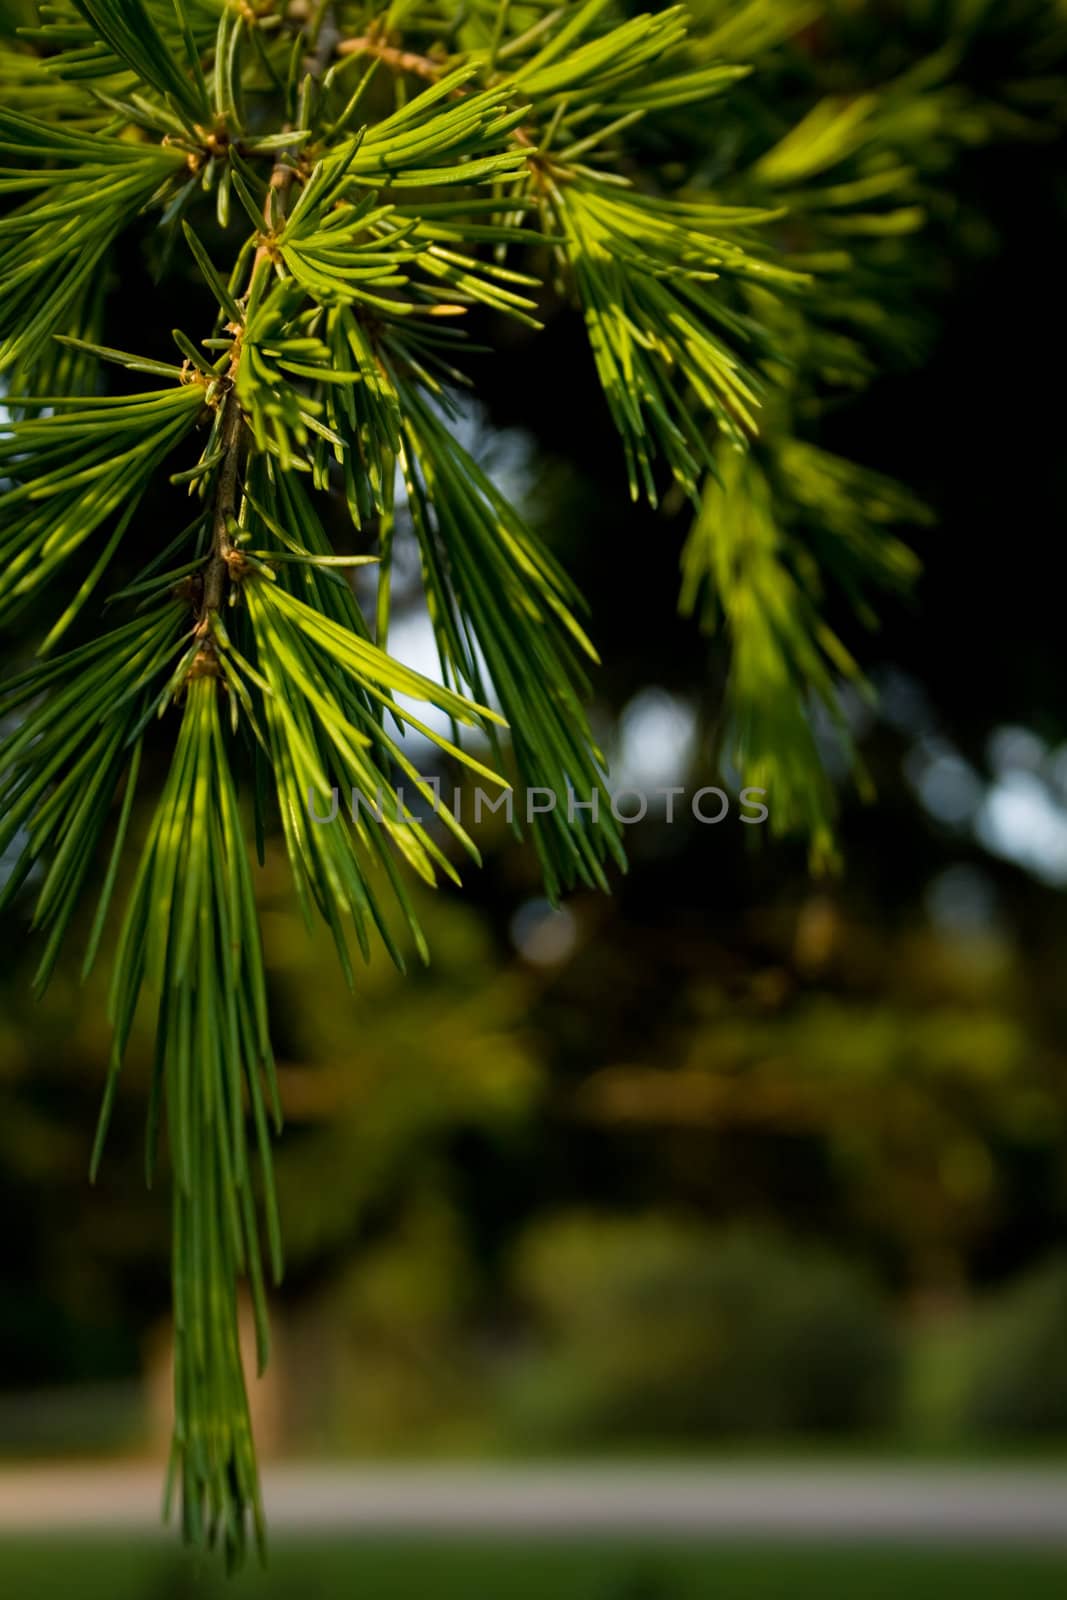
(224, 556)
(222, 548)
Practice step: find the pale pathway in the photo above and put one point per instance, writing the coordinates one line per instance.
(996, 1504)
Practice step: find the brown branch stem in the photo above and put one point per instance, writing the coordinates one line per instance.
(393, 56)
(225, 508)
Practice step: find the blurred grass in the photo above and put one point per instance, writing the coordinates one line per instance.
(461, 1569)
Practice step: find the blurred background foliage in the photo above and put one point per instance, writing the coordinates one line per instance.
(733, 1154)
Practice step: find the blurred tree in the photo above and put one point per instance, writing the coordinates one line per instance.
(1015, 1386)
(654, 1330)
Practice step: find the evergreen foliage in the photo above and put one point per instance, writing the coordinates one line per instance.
(344, 187)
